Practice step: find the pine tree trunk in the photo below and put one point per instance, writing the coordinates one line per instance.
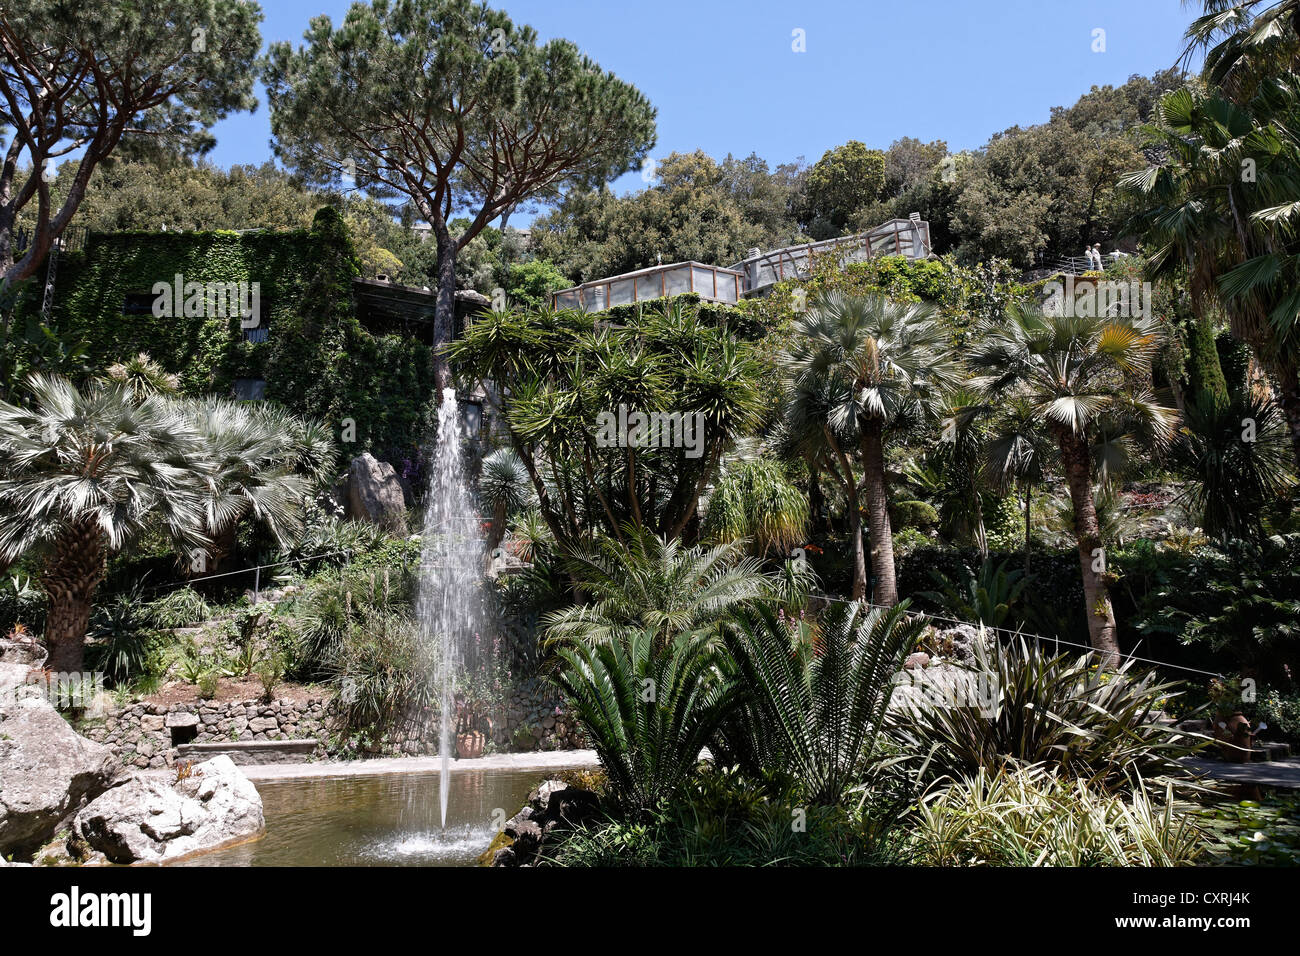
(72, 573)
(881, 535)
(1092, 556)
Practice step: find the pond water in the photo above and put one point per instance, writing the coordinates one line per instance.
(387, 820)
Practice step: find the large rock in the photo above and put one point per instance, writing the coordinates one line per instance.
(46, 770)
(375, 493)
(151, 820)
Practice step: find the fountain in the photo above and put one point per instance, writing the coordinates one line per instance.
(451, 566)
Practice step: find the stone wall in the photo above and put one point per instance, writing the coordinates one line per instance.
(145, 735)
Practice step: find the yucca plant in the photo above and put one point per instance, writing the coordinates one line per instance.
(816, 696)
(1032, 817)
(1060, 711)
(648, 705)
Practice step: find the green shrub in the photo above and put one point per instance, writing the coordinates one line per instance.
(22, 601)
(984, 598)
(121, 640)
(183, 607)
(648, 704)
(1060, 712)
(1282, 714)
(815, 700)
(1029, 817)
(913, 514)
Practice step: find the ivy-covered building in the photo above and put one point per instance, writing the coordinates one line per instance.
(322, 340)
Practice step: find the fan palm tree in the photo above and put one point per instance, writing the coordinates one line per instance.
(504, 488)
(657, 586)
(261, 461)
(1074, 372)
(1239, 459)
(1017, 451)
(817, 696)
(84, 472)
(861, 365)
(87, 470)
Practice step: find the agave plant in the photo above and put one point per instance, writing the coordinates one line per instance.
(816, 696)
(987, 596)
(1063, 712)
(649, 706)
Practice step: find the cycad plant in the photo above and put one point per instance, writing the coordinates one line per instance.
(648, 705)
(1081, 375)
(816, 696)
(859, 366)
(656, 586)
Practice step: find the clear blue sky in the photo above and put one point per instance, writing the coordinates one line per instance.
(725, 79)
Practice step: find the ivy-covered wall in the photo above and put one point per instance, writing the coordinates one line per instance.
(317, 360)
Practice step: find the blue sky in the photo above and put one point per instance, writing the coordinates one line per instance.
(725, 78)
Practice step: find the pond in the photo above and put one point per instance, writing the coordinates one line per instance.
(382, 820)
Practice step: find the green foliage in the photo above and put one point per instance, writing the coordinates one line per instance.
(657, 587)
(183, 607)
(1255, 832)
(755, 499)
(1281, 711)
(844, 180)
(1030, 817)
(913, 514)
(1238, 596)
(531, 283)
(22, 601)
(987, 597)
(124, 644)
(648, 705)
(815, 696)
(1029, 707)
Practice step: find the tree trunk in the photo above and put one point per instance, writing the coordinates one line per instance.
(1028, 500)
(855, 539)
(72, 573)
(882, 538)
(444, 310)
(1092, 556)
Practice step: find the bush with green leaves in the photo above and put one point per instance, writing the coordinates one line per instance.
(380, 671)
(183, 607)
(815, 694)
(1031, 817)
(986, 597)
(123, 643)
(649, 702)
(1281, 711)
(1059, 711)
(22, 601)
(1240, 597)
(721, 817)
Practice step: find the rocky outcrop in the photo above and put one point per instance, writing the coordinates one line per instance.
(47, 770)
(553, 809)
(151, 820)
(375, 493)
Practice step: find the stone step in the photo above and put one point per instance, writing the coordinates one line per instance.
(251, 752)
(1270, 750)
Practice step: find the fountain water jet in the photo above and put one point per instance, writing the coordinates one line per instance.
(451, 567)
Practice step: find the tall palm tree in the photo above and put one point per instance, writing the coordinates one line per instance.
(860, 366)
(1018, 452)
(1076, 375)
(84, 472)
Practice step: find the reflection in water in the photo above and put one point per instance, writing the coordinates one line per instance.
(390, 820)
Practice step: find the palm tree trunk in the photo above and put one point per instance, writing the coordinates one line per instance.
(74, 570)
(882, 538)
(1092, 556)
(855, 518)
